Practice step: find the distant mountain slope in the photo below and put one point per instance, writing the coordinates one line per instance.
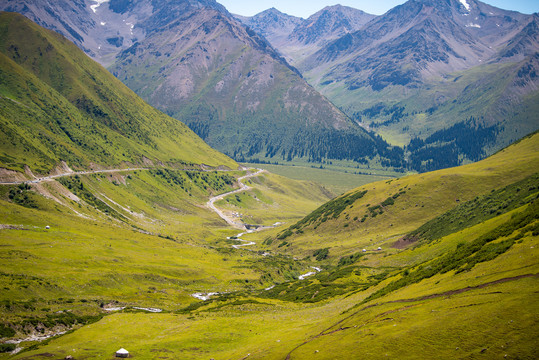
(59, 105)
(523, 44)
(427, 66)
(328, 24)
(230, 86)
(416, 40)
(298, 38)
(272, 24)
(100, 28)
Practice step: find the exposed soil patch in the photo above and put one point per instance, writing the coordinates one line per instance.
(405, 241)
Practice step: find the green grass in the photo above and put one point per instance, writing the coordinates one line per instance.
(131, 238)
(275, 199)
(482, 208)
(103, 262)
(498, 317)
(467, 254)
(422, 198)
(337, 179)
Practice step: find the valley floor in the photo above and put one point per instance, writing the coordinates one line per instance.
(137, 260)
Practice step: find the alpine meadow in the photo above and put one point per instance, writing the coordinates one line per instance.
(181, 182)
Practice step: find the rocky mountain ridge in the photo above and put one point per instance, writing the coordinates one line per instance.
(426, 68)
(296, 38)
(103, 28)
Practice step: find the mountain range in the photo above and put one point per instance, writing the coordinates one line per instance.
(423, 72)
(297, 38)
(194, 61)
(440, 83)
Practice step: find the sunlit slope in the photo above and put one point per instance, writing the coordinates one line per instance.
(485, 311)
(455, 288)
(129, 238)
(274, 198)
(112, 235)
(59, 105)
(471, 296)
(378, 214)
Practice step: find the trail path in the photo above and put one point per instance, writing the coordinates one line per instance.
(225, 217)
(72, 173)
(210, 203)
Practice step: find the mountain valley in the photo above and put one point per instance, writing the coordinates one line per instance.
(346, 186)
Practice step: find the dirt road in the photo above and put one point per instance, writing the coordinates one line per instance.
(211, 203)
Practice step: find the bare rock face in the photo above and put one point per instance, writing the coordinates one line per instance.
(103, 28)
(288, 33)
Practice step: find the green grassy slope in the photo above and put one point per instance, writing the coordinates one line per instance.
(132, 238)
(274, 199)
(59, 105)
(396, 302)
(390, 209)
(336, 178)
(141, 236)
(485, 311)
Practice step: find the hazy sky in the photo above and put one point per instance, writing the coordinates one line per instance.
(305, 8)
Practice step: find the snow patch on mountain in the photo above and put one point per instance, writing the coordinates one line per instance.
(465, 4)
(95, 6)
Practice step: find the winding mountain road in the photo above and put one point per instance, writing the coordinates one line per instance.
(211, 203)
(73, 173)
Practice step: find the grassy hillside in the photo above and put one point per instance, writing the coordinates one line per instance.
(461, 283)
(334, 177)
(59, 105)
(378, 214)
(137, 238)
(274, 199)
(73, 247)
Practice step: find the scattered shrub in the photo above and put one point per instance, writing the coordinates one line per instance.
(321, 254)
(6, 331)
(4, 348)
